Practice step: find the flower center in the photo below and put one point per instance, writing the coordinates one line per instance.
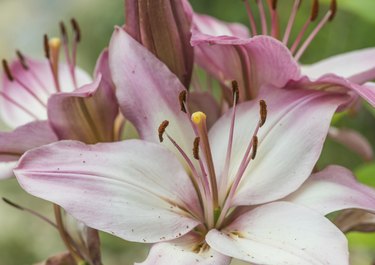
(215, 196)
(297, 48)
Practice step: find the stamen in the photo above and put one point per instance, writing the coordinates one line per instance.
(12, 78)
(236, 92)
(255, 147)
(161, 130)
(263, 17)
(262, 112)
(54, 47)
(182, 99)
(64, 35)
(22, 60)
(21, 208)
(291, 21)
(26, 67)
(196, 148)
(275, 26)
(251, 18)
(76, 29)
(46, 46)
(312, 18)
(199, 119)
(7, 71)
(328, 17)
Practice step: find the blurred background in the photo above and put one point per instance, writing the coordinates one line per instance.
(26, 240)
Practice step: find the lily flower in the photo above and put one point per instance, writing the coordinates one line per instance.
(240, 190)
(33, 91)
(229, 51)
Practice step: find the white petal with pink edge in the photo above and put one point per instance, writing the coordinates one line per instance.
(184, 251)
(357, 65)
(133, 189)
(282, 233)
(289, 145)
(332, 189)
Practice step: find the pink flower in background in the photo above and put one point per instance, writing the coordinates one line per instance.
(229, 51)
(241, 189)
(76, 107)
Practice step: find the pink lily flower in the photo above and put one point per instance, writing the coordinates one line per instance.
(33, 91)
(241, 190)
(228, 51)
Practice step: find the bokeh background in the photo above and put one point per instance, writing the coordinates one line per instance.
(26, 240)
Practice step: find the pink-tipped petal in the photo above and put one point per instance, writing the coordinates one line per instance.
(358, 66)
(102, 67)
(133, 189)
(184, 251)
(147, 91)
(352, 140)
(13, 144)
(87, 114)
(251, 62)
(282, 233)
(38, 79)
(333, 189)
(211, 26)
(289, 145)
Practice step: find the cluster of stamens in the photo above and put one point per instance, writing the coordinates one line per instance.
(52, 51)
(215, 197)
(275, 23)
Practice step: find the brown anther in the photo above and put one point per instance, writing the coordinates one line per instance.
(161, 129)
(314, 10)
(333, 8)
(7, 70)
(182, 99)
(274, 4)
(76, 29)
(196, 148)
(12, 204)
(262, 112)
(63, 31)
(22, 60)
(46, 46)
(235, 91)
(255, 147)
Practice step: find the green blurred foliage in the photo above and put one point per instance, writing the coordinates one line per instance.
(24, 239)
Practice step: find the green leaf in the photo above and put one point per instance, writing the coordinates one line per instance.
(366, 174)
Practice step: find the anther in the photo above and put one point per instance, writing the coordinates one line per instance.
(22, 60)
(333, 8)
(235, 91)
(76, 29)
(161, 129)
(46, 46)
(64, 35)
(255, 147)
(263, 112)
(274, 4)
(196, 148)
(7, 70)
(12, 204)
(314, 10)
(182, 99)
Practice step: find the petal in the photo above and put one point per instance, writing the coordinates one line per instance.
(333, 189)
(133, 189)
(87, 114)
(14, 144)
(352, 140)
(288, 146)
(59, 259)
(211, 26)
(180, 251)
(358, 66)
(251, 62)
(282, 233)
(147, 91)
(30, 106)
(355, 220)
(102, 67)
